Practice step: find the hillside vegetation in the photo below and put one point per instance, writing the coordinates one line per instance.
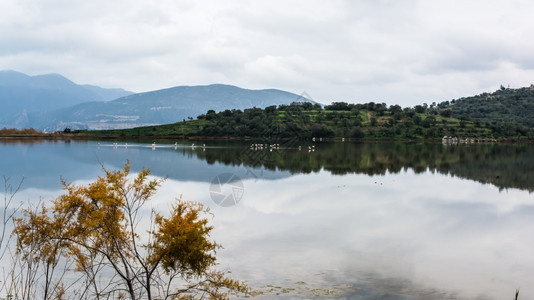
(504, 114)
(505, 106)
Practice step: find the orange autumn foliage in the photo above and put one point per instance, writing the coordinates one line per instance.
(97, 227)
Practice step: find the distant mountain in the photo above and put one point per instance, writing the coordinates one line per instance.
(159, 107)
(22, 95)
(107, 94)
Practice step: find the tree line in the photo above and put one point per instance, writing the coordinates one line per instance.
(504, 114)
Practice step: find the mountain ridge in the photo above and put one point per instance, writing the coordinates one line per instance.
(23, 95)
(52, 102)
(160, 107)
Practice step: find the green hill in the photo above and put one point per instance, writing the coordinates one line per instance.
(505, 114)
(506, 106)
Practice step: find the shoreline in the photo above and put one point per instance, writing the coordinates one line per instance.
(78, 136)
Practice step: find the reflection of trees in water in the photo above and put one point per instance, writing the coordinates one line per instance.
(505, 166)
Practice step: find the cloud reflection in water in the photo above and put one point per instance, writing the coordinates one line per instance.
(398, 234)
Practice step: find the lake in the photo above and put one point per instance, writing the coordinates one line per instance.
(331, 220)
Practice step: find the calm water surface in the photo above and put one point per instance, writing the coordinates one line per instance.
(337, 220)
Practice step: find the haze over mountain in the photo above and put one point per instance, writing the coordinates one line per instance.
(22, 95)
(52, 102)
(160, 107)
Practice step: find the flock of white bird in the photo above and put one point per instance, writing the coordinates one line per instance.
(254, 147)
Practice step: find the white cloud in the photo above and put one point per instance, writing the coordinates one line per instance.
(404, 52)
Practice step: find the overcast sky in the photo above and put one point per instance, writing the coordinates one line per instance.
(395, 51)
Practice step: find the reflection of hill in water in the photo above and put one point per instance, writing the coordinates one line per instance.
(503, 165)
(42, 163)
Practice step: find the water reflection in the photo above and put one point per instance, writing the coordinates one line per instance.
(398, 236)
(505, 166)
(432, 222)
